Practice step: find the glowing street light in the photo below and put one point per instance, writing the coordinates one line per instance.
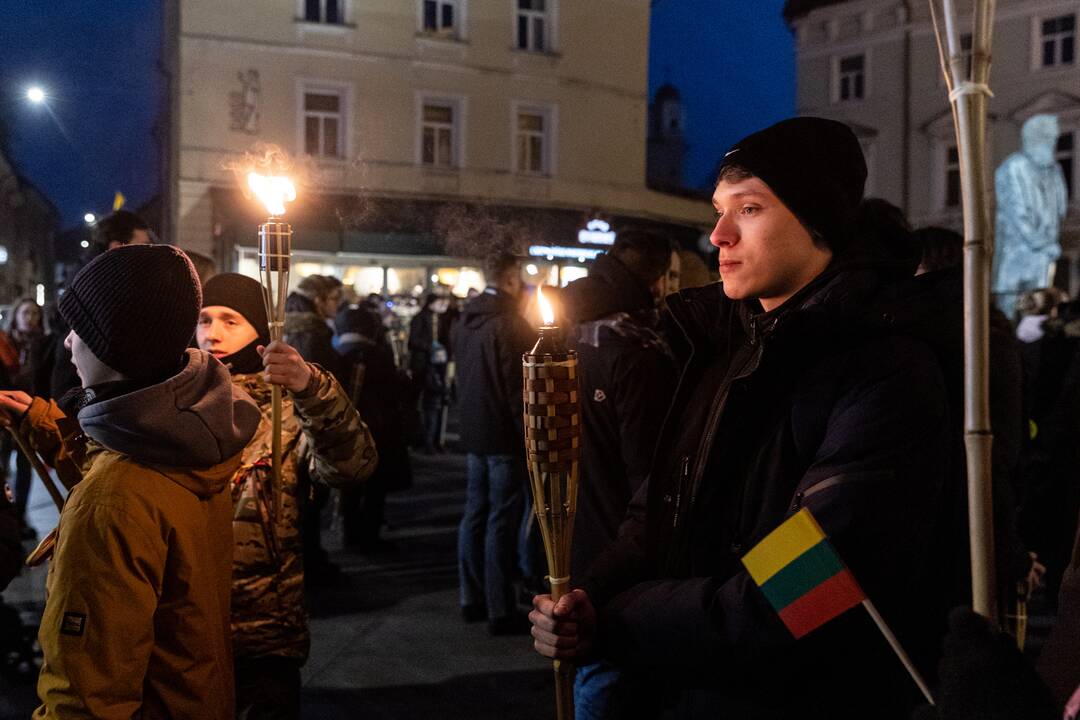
(90, 218)
(35, 94)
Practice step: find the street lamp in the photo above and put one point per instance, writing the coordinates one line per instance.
(35, 94)
(90, 218)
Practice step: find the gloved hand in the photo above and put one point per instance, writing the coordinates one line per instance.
(984, 676)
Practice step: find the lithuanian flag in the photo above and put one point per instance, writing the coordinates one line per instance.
(801, 574)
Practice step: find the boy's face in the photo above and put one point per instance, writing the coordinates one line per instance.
(223, 331)
(765, 252)
(90, 369)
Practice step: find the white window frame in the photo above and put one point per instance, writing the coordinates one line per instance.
(344, 92)
(836, 77)
(1037, 40)
(461, 14)
(345, 8)
(551, 133)
(940, 184)
(459, 104)
(551, 24)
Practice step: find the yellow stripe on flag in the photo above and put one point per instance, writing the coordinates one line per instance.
(795, 536)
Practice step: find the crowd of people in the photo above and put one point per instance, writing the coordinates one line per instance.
(824, 372)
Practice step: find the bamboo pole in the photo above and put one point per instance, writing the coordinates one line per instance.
(969, 97)
(39, 467)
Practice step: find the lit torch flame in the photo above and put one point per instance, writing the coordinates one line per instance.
(273, 191)
(545, 307)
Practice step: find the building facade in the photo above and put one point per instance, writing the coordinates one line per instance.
(28, 224)
(874, 65)
(432, 129)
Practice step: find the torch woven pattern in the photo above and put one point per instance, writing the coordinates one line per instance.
(552, 412)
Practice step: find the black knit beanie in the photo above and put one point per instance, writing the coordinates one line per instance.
(135, 307)
(815, 166)
(242, 294)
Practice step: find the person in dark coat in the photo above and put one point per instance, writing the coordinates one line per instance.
(626, 375)
(491, 339)
(379, 392)
(796, 391)
(429, 357)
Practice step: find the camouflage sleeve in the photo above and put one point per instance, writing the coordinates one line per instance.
(342, 449)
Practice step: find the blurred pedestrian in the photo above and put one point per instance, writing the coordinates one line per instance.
(321, 434)
(136, 619)
(491, 339)
(379, 391)
(23, 341)
(626, 377)
(429, 356)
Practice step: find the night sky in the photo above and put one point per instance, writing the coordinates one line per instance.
(97, 60)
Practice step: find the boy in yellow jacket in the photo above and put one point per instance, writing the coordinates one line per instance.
(136, 620)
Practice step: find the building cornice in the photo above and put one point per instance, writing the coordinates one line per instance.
(411, 60)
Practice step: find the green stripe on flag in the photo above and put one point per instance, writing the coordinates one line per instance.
(802, 575)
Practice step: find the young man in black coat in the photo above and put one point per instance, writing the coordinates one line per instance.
(796, 391)
(489, 344)
(627, 374)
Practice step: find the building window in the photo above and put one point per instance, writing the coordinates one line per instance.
(851, 78)
(533, 130)
(440, 17)
(331, 12)
(323, 123)
(532, 25)
(1066, 156)
(952, 177)
(438, 133)
(1058, 41)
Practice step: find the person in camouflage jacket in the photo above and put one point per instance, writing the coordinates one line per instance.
(324, 439)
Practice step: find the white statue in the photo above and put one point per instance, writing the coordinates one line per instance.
(1031, 201)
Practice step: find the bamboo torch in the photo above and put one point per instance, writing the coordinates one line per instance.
(553, 446)
(275, 250)
(969, 97)
(44, 549)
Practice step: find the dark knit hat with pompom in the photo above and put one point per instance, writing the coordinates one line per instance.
(135, 308)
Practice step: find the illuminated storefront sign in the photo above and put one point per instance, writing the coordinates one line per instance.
(555, 251)
(596, 232)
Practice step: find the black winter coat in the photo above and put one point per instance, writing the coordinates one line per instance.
(490, 341)
(626, 376)
(821, 403)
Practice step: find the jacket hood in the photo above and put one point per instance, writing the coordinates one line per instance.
(609, 288)
(486, 306)
(195, 419)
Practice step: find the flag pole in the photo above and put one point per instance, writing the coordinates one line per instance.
(898, 649)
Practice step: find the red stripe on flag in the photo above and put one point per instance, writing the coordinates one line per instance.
(822, 604)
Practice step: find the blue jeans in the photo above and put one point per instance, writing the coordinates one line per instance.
(531, 557)
(488, 535)
(596, 688)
